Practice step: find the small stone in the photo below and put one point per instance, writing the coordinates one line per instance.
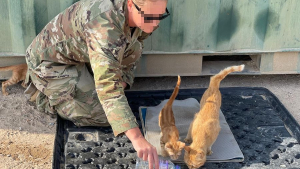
(8, 155)
(283, 166)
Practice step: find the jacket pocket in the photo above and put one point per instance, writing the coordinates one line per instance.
(56, 81)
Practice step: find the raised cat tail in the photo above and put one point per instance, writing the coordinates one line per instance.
(175, 92)
(216, 79)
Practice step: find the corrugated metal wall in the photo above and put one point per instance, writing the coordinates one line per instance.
(209, 26)
(195, 26)
(22, 20)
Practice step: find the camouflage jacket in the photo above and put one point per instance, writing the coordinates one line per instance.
(95, 32)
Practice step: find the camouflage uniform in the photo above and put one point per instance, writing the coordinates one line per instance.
(90, 34)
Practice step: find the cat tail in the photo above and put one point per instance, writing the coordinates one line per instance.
(175, 92)
(216, 79)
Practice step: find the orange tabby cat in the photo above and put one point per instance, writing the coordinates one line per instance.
(205, 127)
(18, 74)
(170, 146)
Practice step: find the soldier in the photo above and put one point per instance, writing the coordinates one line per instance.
(81, 62)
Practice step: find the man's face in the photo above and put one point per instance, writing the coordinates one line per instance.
(148, 16)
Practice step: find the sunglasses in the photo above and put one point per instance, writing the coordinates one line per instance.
(150, 17)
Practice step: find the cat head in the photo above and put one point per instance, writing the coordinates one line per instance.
(194, 158)
(174, 149)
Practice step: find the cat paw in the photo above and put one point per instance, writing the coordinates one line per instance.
(5, 94)
(188, 141)
(24, 85)
(209, 152)
(174, 157)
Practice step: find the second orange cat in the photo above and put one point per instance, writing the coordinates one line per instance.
(18, 74)
(205, 127)
(170, 146)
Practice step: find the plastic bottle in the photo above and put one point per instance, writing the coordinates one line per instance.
(163, 164)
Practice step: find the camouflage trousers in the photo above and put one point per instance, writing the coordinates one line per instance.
(69, 91)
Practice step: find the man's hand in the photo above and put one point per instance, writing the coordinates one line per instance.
(143, 148)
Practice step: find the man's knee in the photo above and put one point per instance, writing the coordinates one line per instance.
(92, 122)
(82, 113)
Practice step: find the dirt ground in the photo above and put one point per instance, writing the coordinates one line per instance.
(27, 136)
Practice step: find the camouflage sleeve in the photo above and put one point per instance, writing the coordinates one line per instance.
(128, 74)
(106, 45)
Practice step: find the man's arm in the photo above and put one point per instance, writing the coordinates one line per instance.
(106, 45)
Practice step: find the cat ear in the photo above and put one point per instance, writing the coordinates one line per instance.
(187, 148)
(181, 144)
(169, 149)
(200, 155)
(168, 146)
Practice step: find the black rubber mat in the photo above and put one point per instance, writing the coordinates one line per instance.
(265, 131)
